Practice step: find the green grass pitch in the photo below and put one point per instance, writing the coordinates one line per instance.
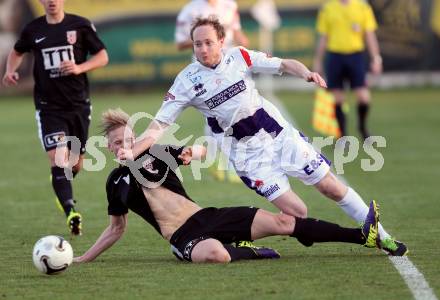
(140, 265)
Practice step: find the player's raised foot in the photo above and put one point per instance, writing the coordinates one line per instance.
(261, 252)
(370, 226)
(74, 222)
(393, 247)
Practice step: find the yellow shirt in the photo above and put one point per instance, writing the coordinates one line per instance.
(345, 25)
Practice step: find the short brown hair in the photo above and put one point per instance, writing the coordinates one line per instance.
(213, 21)
(112, 119)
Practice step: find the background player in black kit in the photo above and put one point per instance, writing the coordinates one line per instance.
(153, 191)
(60, 44)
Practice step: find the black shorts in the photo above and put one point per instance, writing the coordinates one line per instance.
(345, 67)
(228, 225)
(55, 125)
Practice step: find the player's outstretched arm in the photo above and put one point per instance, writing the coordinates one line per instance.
(14, 61)
(297, 68)
(98, 60)
(108, 237)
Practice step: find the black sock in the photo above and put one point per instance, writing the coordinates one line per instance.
(362, 116)
(340, 117)
(311, 230)
(240, 252)
(62, 188)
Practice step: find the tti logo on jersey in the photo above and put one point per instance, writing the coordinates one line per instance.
(53, 57)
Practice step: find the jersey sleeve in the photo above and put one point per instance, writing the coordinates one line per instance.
(24, 43)
(93, 42)
(260, 62)
(370, 20)
(115, 205)
(175, 101)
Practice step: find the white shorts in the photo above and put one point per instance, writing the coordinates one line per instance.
(265, 168)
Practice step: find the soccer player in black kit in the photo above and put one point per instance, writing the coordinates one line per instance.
(60, 44)
(150, 188)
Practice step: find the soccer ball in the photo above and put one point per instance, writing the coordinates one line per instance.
(52, 254)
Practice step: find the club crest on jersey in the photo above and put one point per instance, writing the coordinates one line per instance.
(147, 164)
(71, 37)
(199, 89)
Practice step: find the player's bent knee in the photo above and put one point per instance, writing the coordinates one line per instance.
(284, 223)
(218, 255)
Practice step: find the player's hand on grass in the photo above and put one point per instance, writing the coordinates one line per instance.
(69, 67)
(11, 79)
(315, 78)
(186, 155)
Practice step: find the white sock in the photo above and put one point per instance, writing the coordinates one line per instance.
(353, 205)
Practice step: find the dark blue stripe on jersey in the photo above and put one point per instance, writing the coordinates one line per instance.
(251, 125)
(249, 184)
(305, 138)
(226, 94)
(215, 126)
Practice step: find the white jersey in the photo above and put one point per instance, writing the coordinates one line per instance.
(226, 95)
(265, 148)
(225, 10)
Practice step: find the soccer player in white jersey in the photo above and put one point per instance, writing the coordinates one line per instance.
(220, 86)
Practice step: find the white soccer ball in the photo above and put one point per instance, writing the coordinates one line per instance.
(52, 254)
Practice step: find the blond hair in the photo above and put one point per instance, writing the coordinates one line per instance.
(112, 119)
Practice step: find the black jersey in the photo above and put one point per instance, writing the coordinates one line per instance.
(71, 39)
(124, 189)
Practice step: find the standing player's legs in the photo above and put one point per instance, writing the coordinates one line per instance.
(357, 74)
(54, 127)
(61, 184)
(339, 96)
(363, 98)
(335, 73)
